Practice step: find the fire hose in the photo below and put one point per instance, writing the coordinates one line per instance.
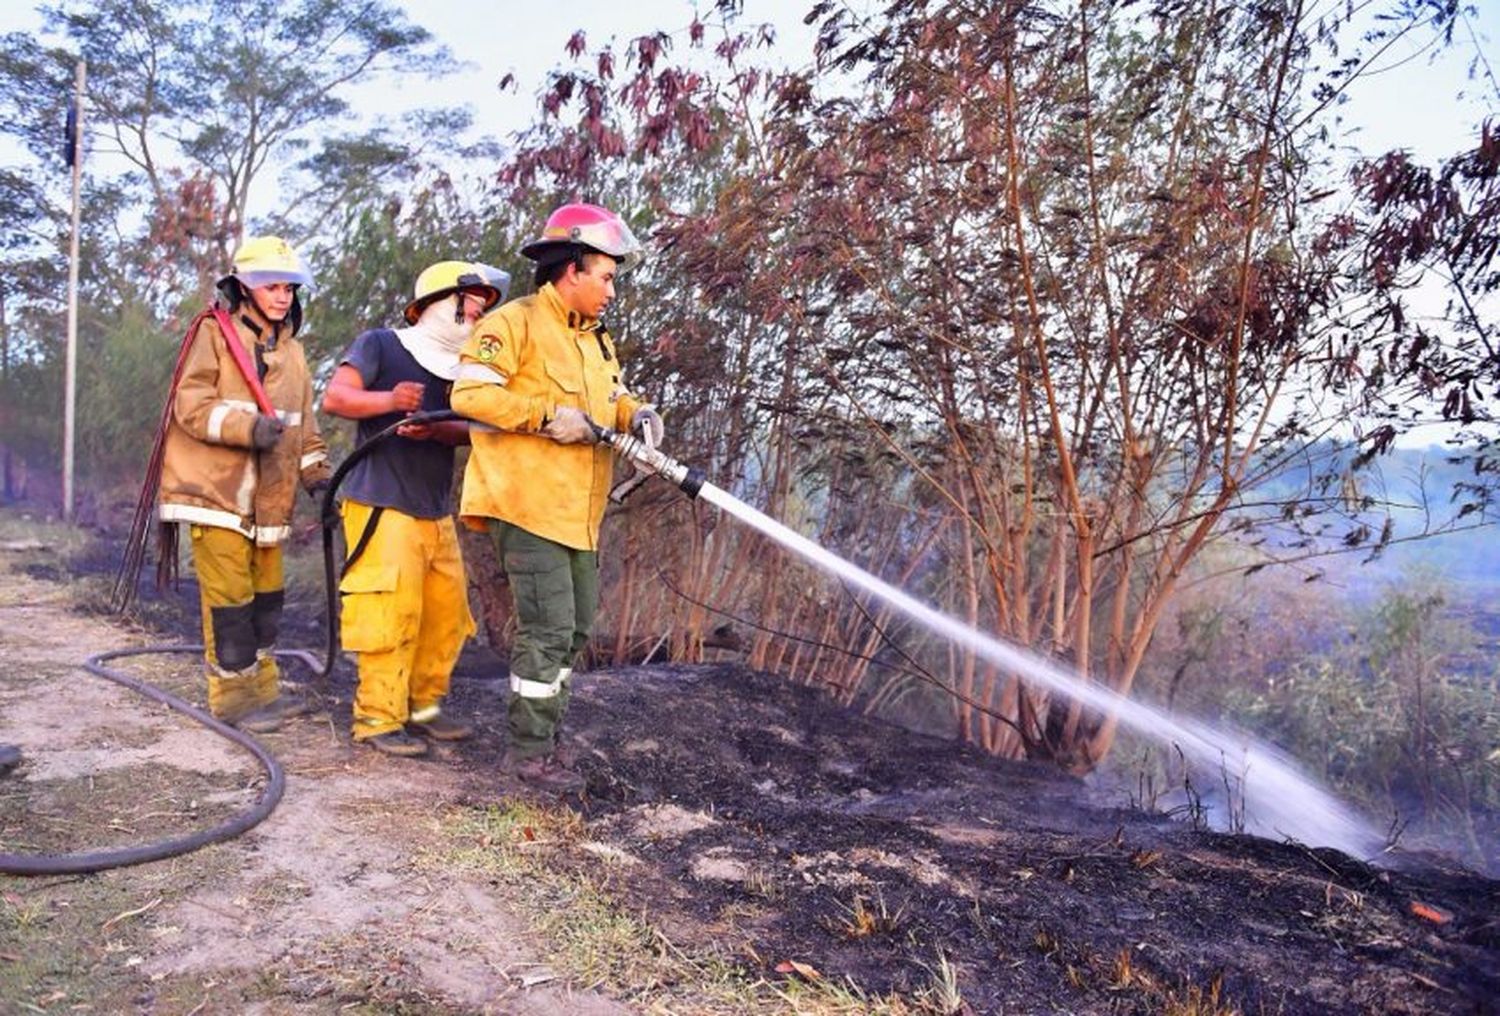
(100, 860)
(637, 452)
(646, 458)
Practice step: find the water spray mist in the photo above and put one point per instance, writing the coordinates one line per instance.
(1278, 800)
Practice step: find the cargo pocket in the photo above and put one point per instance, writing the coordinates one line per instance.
(567, 376)
(372, 620)
(542, 586)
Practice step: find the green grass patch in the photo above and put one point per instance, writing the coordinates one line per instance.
(77, 944)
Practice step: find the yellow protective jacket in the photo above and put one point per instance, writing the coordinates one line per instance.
(522, 362)
(211, 473)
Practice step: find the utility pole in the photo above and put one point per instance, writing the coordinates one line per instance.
(70, 373)
(10, 489)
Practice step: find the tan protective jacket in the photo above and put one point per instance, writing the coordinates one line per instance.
(211, 473)
(522, 362)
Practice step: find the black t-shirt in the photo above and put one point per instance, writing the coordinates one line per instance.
(415, 477)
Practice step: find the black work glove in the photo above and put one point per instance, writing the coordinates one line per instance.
(266, 432)
(318, 491)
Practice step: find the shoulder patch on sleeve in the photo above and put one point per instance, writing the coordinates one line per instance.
(489, 348)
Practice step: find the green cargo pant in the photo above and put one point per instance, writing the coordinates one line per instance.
(556, 592)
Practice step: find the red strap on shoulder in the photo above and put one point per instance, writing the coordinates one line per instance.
(243, 362)
(182, 355)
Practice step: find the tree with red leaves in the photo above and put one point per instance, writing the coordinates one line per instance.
(1021, 309)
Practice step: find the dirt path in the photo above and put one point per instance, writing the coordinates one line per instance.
(339, 898)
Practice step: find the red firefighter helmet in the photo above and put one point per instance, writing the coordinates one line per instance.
(589, 226)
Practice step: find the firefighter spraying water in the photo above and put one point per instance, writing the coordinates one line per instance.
(540, 386)
(536, 373)
(1278, 801)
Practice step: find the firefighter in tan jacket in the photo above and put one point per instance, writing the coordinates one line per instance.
(231, 473)
(539, 370)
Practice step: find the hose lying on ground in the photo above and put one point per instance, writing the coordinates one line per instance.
(62, 864)
(100, 860)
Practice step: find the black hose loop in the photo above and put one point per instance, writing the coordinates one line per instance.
(100, 860)
(329, 515)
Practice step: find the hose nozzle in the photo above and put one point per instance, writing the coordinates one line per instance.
(688, 479)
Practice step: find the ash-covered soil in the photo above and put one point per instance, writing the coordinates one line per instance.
(748, 816)
(765, 817)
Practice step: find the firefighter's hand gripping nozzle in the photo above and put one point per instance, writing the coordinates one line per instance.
(688, 479)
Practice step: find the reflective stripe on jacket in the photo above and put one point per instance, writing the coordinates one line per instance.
(522, 362)
(211, 473)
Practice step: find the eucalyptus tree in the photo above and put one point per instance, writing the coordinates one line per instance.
(1071, 268)
(202, 105)
(1022, 307)
(1430, 228)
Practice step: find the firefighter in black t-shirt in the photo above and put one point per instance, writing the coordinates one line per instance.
(405, 600)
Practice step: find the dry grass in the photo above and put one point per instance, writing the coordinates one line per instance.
(861, 920)
(73, 944)
(536, 852)
(942, 996)
(1196, 1001)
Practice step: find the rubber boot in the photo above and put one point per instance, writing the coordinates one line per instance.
(236, 697)
(433, 723)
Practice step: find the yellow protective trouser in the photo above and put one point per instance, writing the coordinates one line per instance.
(405, 613)
(240, 590)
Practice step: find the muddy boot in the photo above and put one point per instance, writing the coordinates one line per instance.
(286, 706)
(269, 695)
(260, 720)
(397, 742)
(436, 726)
(566, 752)
(10, 757)
(234, 695)
(544, 773)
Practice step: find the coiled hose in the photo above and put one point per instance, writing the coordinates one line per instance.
(100, 860)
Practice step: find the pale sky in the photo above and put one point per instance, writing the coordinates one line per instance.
(528, 39)
(1410, 105)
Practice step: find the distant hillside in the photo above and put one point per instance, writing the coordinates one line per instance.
(1413, 491)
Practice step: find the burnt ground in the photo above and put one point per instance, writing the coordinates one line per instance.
(755, 821)
(805, 816)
